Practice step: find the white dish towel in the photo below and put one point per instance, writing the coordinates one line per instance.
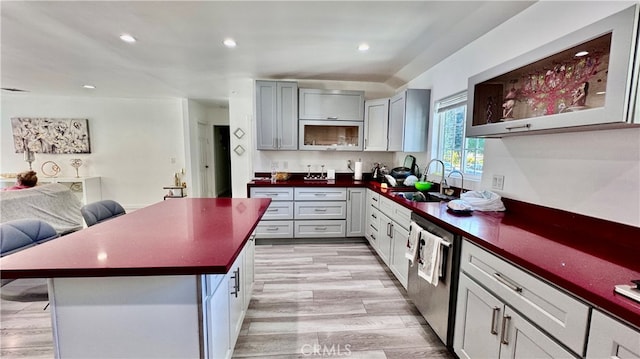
(413, 242)
(430, 257)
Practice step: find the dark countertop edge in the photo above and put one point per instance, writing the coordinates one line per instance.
(114, 272)
(619, 310)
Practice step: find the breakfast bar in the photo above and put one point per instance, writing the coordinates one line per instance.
(171, 280)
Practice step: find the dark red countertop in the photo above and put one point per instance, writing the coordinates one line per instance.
(588, 265)
(174, 237)
(585, 256)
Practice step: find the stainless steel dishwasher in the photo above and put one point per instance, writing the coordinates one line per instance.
(437, 303)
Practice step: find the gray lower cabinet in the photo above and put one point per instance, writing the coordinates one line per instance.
(320, 212)
(372, 221)
(487, 328)
(277, 221)
(487, 324)
(609, 338)
(392, 237)
(310, 212)
(356, 221)
(320, 229)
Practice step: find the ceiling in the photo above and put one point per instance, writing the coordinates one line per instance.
(56, 47)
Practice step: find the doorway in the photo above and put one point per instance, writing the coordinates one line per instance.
(222, 160)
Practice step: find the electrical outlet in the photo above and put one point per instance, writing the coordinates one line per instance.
(497, 182)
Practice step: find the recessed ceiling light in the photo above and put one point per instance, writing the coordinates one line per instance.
(363, 47)
(582, 53)
(89, 87)
(229, 42)
(127, 38)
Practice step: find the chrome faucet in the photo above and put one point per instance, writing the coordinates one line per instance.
(443, 182)
(461, 180)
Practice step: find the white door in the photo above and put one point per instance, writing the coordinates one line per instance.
(205, 149)
(478, 319)
(521, 339)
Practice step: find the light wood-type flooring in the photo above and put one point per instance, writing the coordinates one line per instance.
(332, 300)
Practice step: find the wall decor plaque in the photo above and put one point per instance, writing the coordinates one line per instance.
(51, 135)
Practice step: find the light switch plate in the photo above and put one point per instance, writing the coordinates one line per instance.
(497, 182)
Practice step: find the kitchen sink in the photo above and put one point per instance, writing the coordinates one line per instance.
(425, 197)
(437, 196)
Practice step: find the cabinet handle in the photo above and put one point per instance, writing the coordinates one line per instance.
(320, 209)
(236, 280)
(271, 194)
(332, 118)
(320, 194)
(505, 327)
(272, 228)
(374, 216)
(320, 228)
(496, 312)
(388, 229)
(375, 199)
(272, 210)
(528, 125)
(373, 236)
(391, 231)
(507, 282)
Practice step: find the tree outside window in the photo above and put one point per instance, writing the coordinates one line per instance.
(456, 151)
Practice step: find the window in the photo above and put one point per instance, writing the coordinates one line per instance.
(454, 149)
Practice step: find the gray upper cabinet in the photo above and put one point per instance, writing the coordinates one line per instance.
(318, 104)
(276, 120)
(409, 120)
(376, 124)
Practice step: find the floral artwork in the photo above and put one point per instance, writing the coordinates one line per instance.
(51, 135)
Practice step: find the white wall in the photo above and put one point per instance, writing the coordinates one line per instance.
(592, 173)
(198, 113)
(133, 142)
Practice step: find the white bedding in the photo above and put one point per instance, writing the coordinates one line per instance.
(54, 203)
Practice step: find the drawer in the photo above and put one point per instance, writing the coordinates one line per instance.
(279, 210)
(373, 198)
(372, 226)
(373, 218)
(320, 194)
(320, 229)
(274, 229)
(400, 214)
(275, 193)
(320, 210)
(561, 315)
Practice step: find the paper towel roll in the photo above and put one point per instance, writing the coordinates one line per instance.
(358, 172)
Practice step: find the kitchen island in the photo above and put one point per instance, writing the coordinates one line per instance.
(171, 280)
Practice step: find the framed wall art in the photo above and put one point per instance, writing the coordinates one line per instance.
(51, 135)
